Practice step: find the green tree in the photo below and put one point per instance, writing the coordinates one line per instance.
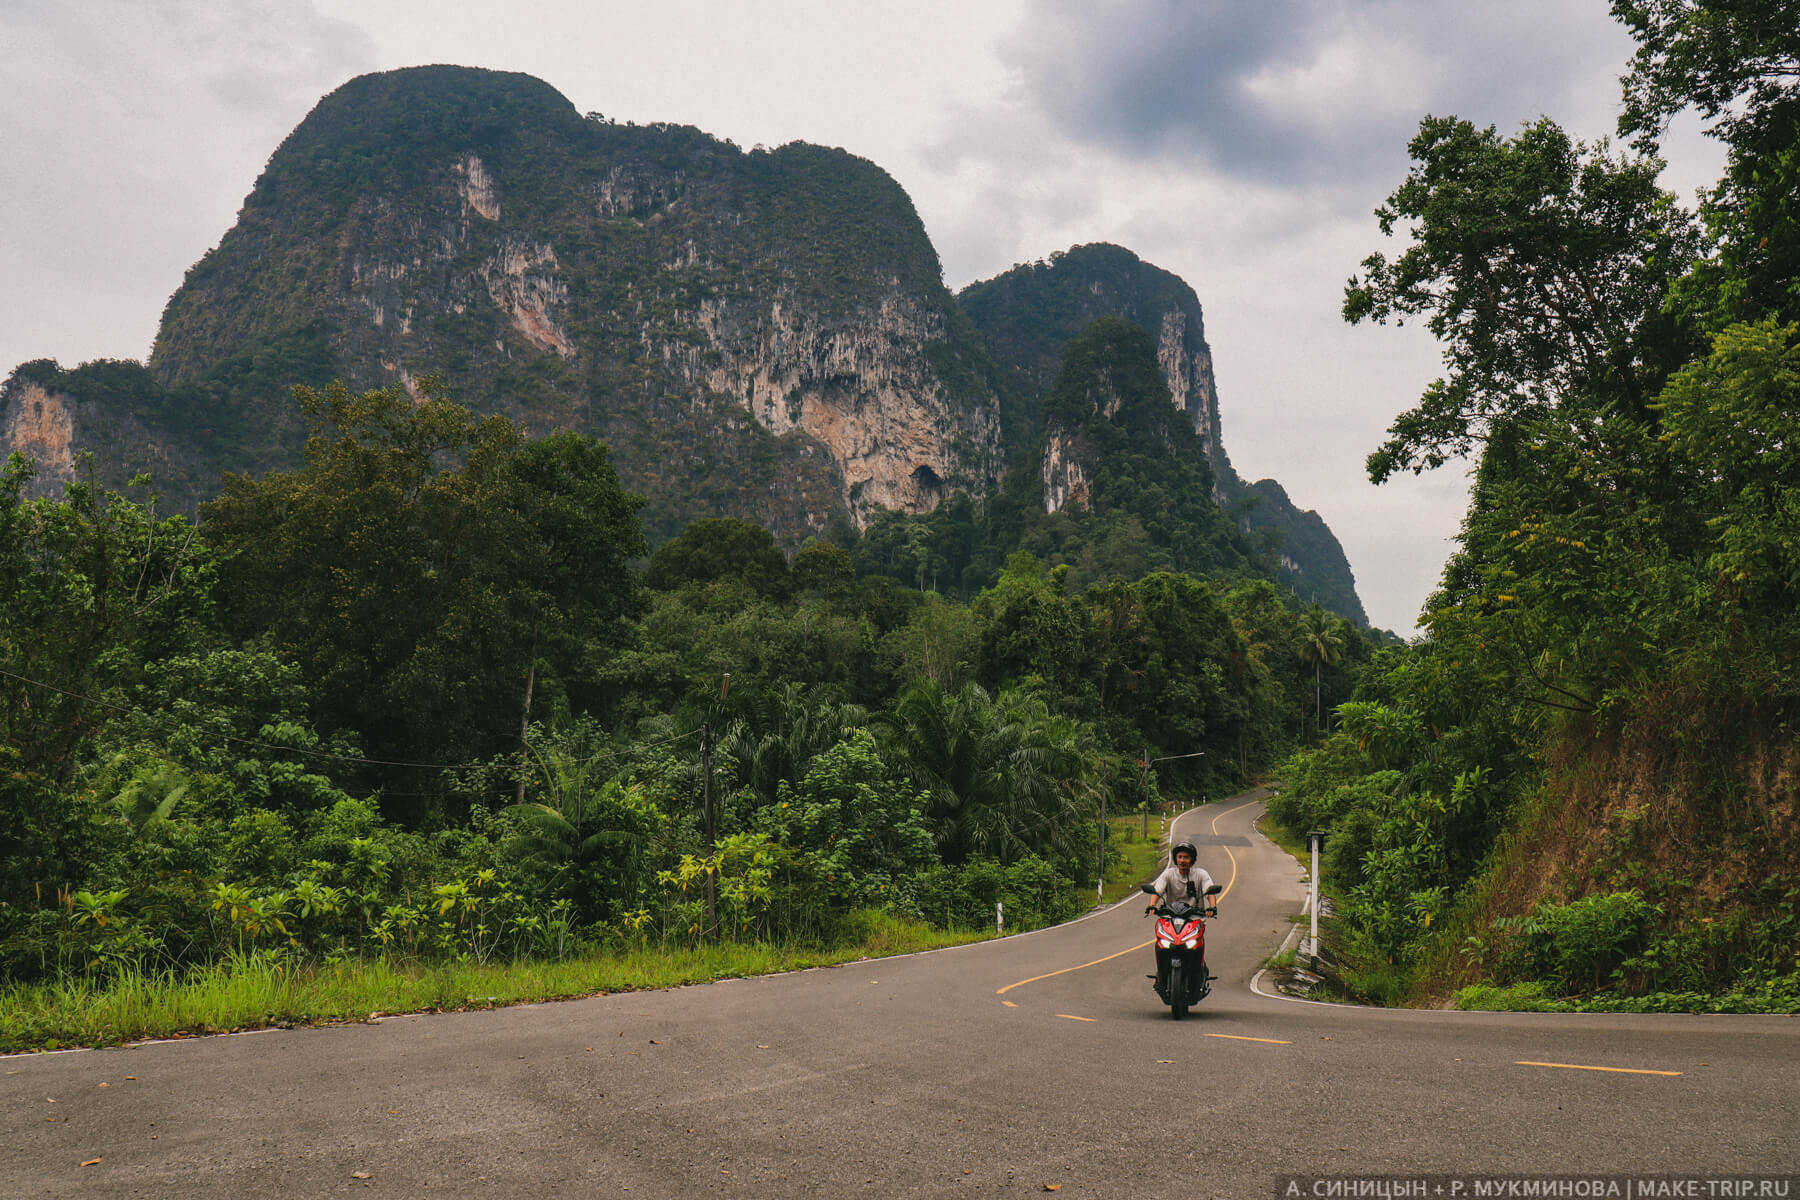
(825, 569)
(1734, 416)
(722, 548)
(1321, 646)
(858, 829)
(589, 840)
(1737, 62)
(1734, 60)
(939, 642)
(240, 716)
(787, 727)
(1541, 265)
(1032, 627)
(577, 535)
(1005, 777)
(415, 562)
(1162, 648)
(96, 585)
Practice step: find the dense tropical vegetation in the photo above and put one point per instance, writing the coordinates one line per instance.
(1580, 787)
(428, 698)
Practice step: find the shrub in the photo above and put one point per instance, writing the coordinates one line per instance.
(1582, 945)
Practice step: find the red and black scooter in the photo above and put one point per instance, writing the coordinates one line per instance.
(1181, 976)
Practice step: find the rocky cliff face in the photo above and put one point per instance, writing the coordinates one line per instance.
(53, 418)
(40, 424)
(1032, 314)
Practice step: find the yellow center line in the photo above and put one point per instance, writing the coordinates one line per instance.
(1583, 1067)
(1052, 974)
(1073, 1017)
(1228, 854)
(1234, 1037)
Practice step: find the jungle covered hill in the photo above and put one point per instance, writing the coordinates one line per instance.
(1582, 788)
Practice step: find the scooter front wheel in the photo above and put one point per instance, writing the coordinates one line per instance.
(1178, 1004)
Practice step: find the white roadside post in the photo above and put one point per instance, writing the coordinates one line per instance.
(999, 917)
(1314, 839)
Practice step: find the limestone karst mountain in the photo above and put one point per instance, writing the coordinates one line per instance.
(756, 333)
(1033, 313)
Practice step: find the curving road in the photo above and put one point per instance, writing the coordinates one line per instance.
(1040, 1061)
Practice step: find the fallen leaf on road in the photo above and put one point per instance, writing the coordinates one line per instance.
(131, 1077)
(589, 1049)
(1166, 1061)
(1053, 1187)
(361, 1175)
(654, 1042)
(90, 1162)
(106, 1085)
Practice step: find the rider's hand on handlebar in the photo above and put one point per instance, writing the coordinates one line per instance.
(1149, 908)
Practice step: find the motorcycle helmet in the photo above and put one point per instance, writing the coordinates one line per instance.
(1179, 847)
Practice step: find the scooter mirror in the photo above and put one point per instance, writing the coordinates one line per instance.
(1215, 889)
(1147, 889)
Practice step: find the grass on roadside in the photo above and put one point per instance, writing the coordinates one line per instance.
(1132, 857)
(253, 993)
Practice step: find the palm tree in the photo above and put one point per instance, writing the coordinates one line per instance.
(591, 834)
(788, 727)
(1005, 778)
(1323, 646)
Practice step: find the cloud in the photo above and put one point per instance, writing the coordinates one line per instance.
(132, 132)
(1319, 94)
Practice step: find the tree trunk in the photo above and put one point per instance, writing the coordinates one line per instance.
(1318, 694)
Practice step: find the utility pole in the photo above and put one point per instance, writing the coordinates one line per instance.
(1144, 788)
(1100, 854)
(712, 831)
(1144, 764)
(706, 793)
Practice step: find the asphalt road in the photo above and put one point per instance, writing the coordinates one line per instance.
(1042, 1061)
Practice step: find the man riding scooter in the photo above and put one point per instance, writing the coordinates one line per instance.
(1185, 881)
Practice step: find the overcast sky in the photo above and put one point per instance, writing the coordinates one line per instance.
(1241, 145)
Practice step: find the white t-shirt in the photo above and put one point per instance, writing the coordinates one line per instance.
(1173, 885)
